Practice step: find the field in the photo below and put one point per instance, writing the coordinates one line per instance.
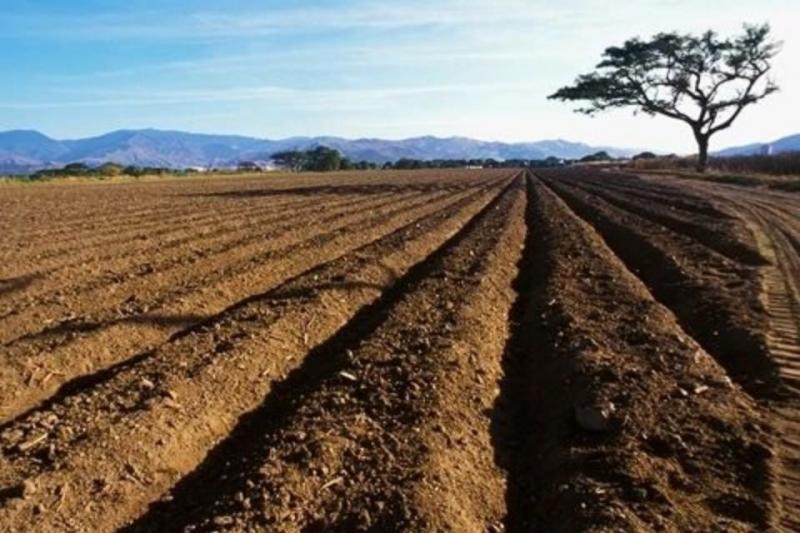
(465, 350)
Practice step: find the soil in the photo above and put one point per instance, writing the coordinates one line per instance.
(466, 350)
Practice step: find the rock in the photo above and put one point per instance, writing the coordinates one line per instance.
(30, 443)
(223, 520)
(348, 376)
(147, 384)
(26, 489)
(594, 418)
(723, 382)
(172, 404)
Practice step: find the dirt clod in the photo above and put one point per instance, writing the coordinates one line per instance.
(595, 418)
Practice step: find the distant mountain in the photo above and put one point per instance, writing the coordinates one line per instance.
(786, 144)
(31, 145)
(23, 151)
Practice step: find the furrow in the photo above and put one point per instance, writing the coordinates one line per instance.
(121, 274)
(141, 238)
(121, 442)
(598, 433)
(384, 427)
(163, 198)
(715, 300)
(125, 205)
(43, 369)
(671, 195)
(43, 250)
(717, 234)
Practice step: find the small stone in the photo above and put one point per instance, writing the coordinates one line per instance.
(28, 488)
(172, 404)
(348, 376)
(147, 384)
(223, 520)
(30, 443)
(723, 382)
(365, 518)
(594, 417)
(700, 389)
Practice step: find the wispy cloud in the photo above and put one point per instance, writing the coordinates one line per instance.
(324, 99)
(221, 24)
(307, 60)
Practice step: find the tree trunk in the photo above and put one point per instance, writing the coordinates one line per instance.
(702, 152)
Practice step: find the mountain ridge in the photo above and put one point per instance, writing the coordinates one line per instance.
(23, 151)
(790, 143)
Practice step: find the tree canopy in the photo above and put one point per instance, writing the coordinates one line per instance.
(705, 81)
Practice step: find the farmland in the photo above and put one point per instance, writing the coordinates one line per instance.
(468, 350)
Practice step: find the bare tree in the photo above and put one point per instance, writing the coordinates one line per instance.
(705, 81)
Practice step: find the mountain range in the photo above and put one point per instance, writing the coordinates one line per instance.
(24, 151)
(785, 144)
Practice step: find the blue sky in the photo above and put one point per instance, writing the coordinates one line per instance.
(479, 68)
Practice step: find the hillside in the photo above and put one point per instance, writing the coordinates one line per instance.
(785, 144)
(25, 151)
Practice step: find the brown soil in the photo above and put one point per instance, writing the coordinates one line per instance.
(774, 220)
(426, 351)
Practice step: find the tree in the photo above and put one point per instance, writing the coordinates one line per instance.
(323, 159)
(76, 169)
(597, 156)
(294, 160)
(705, 81)
(110, 169)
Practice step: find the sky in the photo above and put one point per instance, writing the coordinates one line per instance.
(357, 68)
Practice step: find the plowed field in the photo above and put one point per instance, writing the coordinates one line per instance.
(493, 350)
